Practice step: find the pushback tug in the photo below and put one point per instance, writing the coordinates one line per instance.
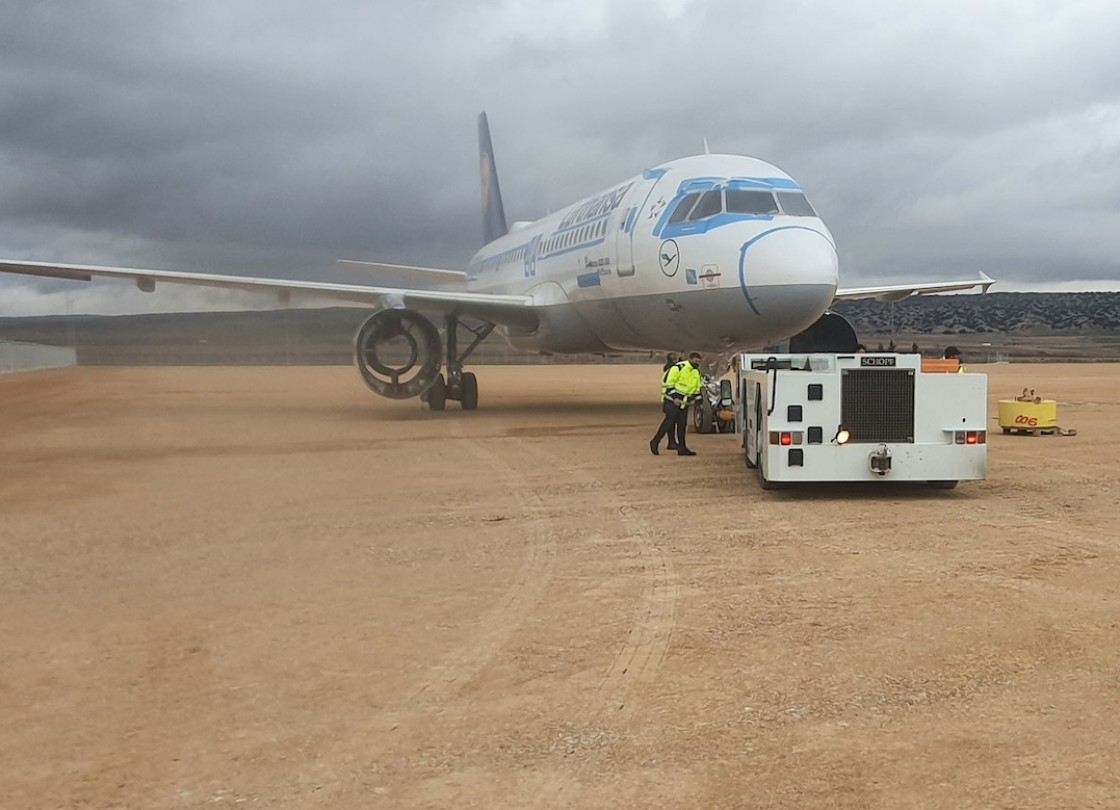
(859, 417)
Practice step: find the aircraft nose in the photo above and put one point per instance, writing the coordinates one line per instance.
(789, 275)
(792, 255)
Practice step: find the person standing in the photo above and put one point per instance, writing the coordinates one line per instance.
(687, 384)
(681, 384)
(669, 406)
(953, 353)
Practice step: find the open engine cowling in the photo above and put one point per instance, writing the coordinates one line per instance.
(398, 353)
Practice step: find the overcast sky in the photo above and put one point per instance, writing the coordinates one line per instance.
(273, 136)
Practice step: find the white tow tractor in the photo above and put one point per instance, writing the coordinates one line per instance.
(859, 417)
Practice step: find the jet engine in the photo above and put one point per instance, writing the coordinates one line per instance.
(398, 353)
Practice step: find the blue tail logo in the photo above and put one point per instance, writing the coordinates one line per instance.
(493, 212)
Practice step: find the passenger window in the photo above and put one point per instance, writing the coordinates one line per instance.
(795, 204)
(710, 205)
(748, 201)
(683, 207)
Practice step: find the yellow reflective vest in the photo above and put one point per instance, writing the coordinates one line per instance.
(682, 380)
(668, 377)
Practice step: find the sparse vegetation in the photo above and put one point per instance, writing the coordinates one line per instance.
(988, 328)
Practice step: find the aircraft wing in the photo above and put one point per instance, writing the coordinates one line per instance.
(901, 292)
(398, 275)
(514, 310)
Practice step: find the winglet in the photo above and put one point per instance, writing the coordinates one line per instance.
(986, 281)
(493, 212)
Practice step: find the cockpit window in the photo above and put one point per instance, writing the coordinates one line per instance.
(683, 207)
(710, 205)
(749, 201)
(795, 204)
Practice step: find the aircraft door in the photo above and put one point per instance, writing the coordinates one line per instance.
(531, 257)
(634, 217)
(624, 244)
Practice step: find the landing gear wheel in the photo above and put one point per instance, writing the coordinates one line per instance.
(463, 385)
(702, 417)
(437, 394)
(469, 397)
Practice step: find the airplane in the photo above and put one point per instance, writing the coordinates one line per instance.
(712, 253)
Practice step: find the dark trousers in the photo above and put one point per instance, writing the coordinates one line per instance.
(682, 426)
(669, 424)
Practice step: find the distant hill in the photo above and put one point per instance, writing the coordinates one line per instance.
(1024, 326)
(1034, 313)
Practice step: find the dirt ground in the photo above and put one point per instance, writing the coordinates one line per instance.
(261, 587)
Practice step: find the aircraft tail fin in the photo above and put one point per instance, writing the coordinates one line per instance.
(493, 212)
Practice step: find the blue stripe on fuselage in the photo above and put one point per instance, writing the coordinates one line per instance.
(710, 224)
(693, 184)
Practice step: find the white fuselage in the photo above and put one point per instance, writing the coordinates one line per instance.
(708, 253)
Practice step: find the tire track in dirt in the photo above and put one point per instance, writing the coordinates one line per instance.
(654, 616)
(497, 624)
(637, 662)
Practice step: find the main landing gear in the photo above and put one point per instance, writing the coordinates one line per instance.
(398, 354)
(459, 384)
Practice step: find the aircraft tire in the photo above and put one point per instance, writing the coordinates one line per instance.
(469, 397)
(703, 419)
(437, 394)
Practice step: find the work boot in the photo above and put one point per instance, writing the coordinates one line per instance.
(672, 445)
(653, 447)
(684, 451)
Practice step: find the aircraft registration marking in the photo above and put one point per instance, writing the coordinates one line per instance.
(709, 276)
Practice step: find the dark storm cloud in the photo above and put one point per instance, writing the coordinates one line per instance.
(275, 137)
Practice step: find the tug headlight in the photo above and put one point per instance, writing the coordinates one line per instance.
(842, 435)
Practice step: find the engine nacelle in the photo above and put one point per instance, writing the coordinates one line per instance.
(398, 353)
